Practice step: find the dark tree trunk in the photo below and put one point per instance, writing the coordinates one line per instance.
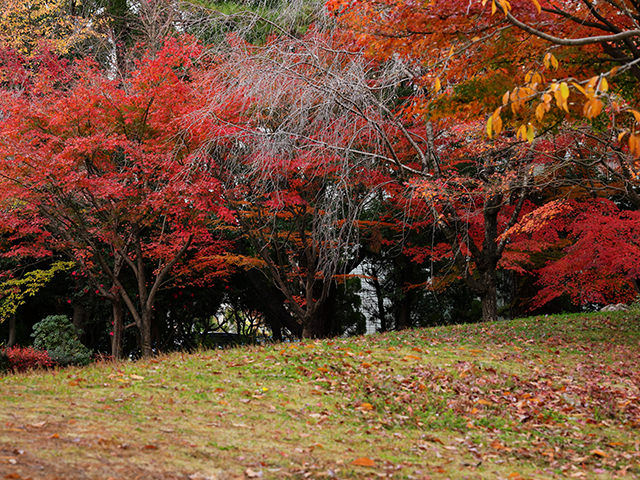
(488, 297)
(79, 316)
(118, 328)
(12, 331)
(406, 279)
(382, 316)
(145, 333)
(313, 325)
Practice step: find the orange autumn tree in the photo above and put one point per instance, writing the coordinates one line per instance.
(543, 58)
(25, 25)
(526, 67)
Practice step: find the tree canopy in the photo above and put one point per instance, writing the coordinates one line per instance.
(200, 162)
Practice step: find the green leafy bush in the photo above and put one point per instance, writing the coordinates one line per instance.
(57, 335)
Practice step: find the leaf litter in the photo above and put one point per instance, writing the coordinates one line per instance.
(554, 397)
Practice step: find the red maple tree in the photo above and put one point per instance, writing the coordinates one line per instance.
(110, 173)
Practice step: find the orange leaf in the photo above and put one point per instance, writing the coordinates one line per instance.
(364, 462)
(365, 407)
(599, 453)
(407, 358)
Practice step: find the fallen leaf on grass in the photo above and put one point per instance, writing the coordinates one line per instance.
(136, 377)
(39, 424)
(365, 407)
(150, 447)
(364, 462)
(432, 438)
(408, 358)
(598, 453)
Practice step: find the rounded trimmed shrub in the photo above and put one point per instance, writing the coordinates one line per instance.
(59, 337)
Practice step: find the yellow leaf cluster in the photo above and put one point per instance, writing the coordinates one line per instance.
(526, 132)
(23, 25)
(504, 5)
(550, 60)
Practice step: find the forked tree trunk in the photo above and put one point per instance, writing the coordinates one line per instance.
(313, 324)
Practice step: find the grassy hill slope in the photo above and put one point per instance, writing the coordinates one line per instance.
(535, 398)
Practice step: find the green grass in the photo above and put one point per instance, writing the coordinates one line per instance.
(553, 397)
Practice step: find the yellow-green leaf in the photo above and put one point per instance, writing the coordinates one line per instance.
(530, 133)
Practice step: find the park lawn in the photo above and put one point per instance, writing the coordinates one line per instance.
(537, 398)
